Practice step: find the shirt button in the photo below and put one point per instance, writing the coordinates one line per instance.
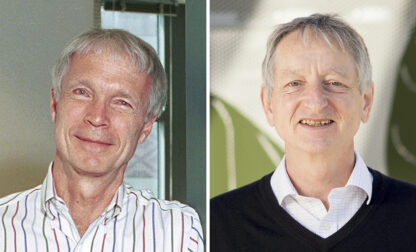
(325, 226)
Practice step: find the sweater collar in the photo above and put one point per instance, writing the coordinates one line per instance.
(360, 177)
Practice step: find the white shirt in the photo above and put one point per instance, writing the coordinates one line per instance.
(39, 220)
(310, 212)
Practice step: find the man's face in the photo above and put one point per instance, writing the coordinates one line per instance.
(316, 105)
(100, 115)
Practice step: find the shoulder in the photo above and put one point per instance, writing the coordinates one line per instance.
(146, 199)
(393, 190)
(15, 198)
(247, 199)
(239, 196)
(173, 215)
(238, 216)
(392, 183)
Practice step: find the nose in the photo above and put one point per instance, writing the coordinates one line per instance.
(97, 114)
(315, 97)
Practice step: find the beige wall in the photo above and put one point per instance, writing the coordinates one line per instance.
(32, 34)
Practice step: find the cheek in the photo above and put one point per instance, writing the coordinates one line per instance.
(283, 109)
(127, 128)
(350, 107)
(69, 114)
(65, 113)
(350, 112)
(69, 120)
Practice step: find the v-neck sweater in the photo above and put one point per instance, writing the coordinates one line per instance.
(251, 219)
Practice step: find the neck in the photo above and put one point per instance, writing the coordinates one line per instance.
(85, 196)
(316, 174)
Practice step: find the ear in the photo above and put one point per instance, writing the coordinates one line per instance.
(147, 128)
(52, 106)
(368, 97)
(267, 105)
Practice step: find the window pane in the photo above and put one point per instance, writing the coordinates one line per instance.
(145, 169)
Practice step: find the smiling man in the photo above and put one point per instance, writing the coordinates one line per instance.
(322, 197)
(108, 89)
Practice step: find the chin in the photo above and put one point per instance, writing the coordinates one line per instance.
(92, 166)
(316, 147)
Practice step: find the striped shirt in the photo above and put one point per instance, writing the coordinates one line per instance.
(39, 220)
(311, 213)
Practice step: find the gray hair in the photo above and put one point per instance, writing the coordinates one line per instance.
(332, 29)
(122, 43)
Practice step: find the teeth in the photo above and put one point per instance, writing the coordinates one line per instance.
(316, 123)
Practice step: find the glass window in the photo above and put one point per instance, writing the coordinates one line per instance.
(146, 169)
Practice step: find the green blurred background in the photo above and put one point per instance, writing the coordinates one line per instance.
(243, 148)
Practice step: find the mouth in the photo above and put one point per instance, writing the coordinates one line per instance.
(93, 141)
(316, 123)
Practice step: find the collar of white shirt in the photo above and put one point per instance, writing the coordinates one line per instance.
(283, 187)
(49, 197)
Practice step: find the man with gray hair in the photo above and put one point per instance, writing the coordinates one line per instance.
(108, 89)
(322, 197)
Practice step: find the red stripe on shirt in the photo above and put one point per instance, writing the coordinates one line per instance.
(56, 239)
(102, 247)
(37, 189)
(14, 229)
(144, 231)
(192, 239)
(182, 233)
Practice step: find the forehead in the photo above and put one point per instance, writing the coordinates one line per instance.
(299, 51)
(105, 69)
(309, 35)
(107, 61)
(100, 57)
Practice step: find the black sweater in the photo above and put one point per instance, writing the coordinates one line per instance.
(251, 219)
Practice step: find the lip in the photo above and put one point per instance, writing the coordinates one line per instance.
(93, 141)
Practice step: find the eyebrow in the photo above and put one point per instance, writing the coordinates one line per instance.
(75, 82)
(299, 71)
(339, 71)
(83, 82)
(125, 95)
(289, 71)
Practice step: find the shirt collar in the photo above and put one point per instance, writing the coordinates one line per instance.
(280, 182)
(360, 177)
(48, 195)
(116, 205)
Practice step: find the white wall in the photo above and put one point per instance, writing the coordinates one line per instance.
(32, 34)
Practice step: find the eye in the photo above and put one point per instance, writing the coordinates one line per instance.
(293, 84)
(335, 86)
(335, 83)
(80, 91)
(123, 103)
